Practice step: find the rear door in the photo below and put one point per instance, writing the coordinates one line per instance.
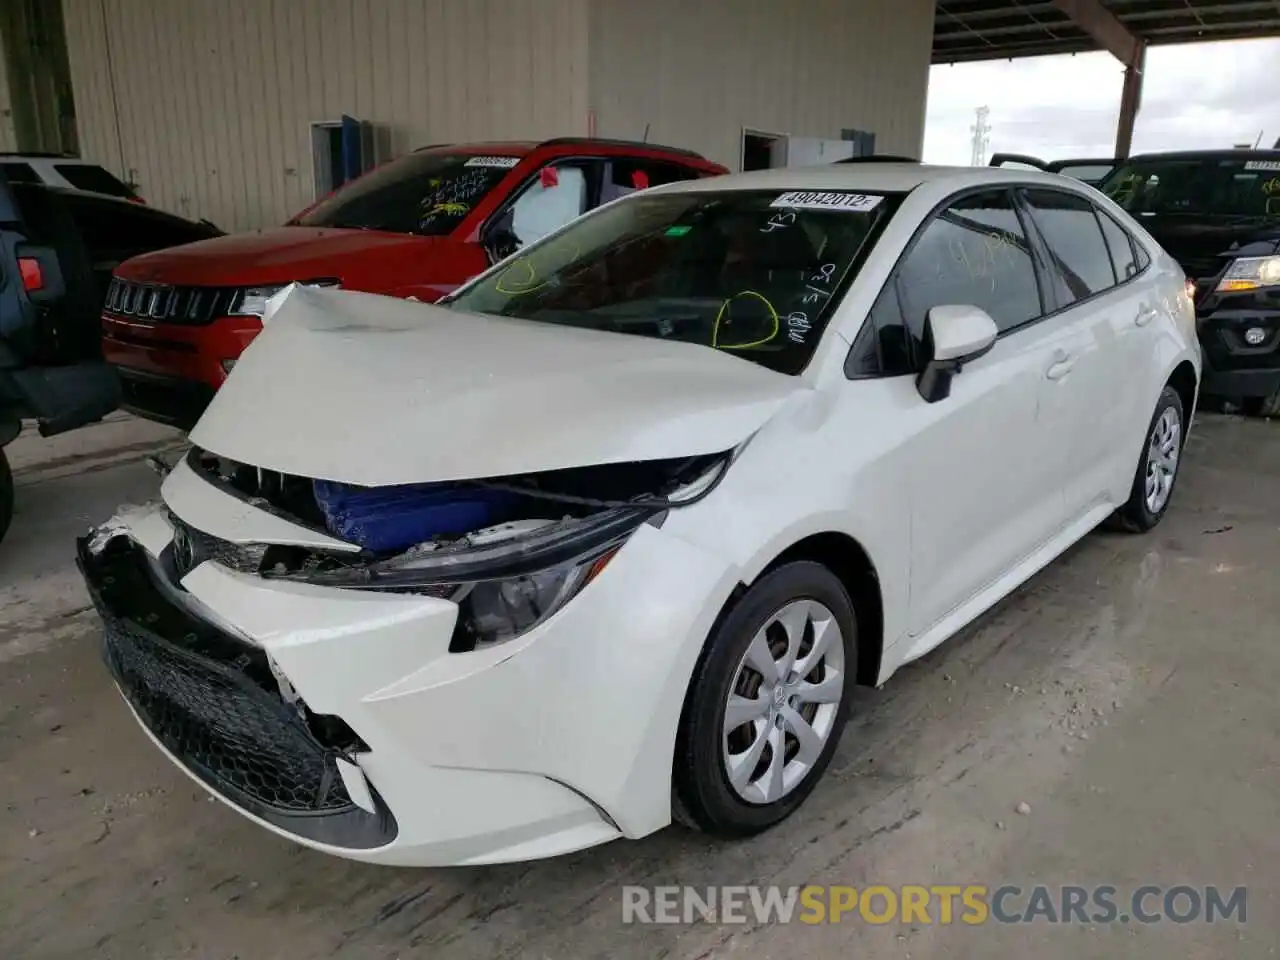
(1092, 388)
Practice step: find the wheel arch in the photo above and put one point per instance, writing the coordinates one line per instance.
(1185, 384)
(851, 563)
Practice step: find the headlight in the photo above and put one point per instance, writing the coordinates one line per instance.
(496, 610)
(1250, 273)
(504, 586)
(252, 301)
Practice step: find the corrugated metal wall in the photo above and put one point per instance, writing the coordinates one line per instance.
(698, 72)
(8, 136)
(207, 104)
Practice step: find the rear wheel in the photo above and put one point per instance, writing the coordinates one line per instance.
(1268, 406)
(767, 703)
(6, 494)
(1157, 472)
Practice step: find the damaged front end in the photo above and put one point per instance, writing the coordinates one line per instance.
(509, 552)
(218, 704)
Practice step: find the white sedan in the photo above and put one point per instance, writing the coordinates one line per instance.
(613, 536)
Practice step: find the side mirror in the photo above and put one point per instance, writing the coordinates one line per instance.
(954, 335)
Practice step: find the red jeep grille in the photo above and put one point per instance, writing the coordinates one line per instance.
(163, 303)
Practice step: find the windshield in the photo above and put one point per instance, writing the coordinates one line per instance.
(423, 193)
(754, 273)
(1205, 186)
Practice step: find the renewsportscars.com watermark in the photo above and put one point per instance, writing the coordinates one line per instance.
(970, 904)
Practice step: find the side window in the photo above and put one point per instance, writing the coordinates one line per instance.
(975, 252)
(557, 195)
(624, 176)
(20, 172)
(113, 231)
(884, 347)
(1144, 260)
(1080, 263)
(1121, 246)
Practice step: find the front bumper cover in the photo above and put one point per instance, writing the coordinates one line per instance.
(207, 698)
(1233, 367)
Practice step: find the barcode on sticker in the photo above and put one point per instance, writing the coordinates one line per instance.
(827, 200)
(1262, 165)
(502, 163)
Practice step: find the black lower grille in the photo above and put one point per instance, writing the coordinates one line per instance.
(222, 723)
(210, 699)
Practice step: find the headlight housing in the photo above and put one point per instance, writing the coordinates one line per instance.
(1250, 273)
(504, 584)
(252, 301)
(493, 611)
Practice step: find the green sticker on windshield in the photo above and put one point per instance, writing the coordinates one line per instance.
(678, 230)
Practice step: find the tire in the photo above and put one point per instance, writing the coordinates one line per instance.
(6, 494)
(814, 604)
(1268, 406)
(1139, 514)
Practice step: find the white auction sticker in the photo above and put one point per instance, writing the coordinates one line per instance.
(502, 163)
(1262, 165)
(826, 200)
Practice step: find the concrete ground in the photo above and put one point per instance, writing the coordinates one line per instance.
(1126, 695)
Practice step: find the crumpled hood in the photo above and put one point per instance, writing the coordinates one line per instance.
(372, 390)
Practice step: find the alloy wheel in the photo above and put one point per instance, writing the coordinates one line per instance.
(1162, 459)
(783, 702)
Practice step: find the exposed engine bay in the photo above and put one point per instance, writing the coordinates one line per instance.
(509, 551)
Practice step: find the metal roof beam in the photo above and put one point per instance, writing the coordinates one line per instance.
(1108, 32)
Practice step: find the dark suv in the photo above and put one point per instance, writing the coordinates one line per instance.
(58, 248)
(1218, 213)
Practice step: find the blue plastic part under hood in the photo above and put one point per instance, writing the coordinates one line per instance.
(391, 519)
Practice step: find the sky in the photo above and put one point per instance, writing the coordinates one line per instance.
(1194, 96)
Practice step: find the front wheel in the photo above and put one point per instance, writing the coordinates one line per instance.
(1157, 471)
(6, 494)
(767, 703)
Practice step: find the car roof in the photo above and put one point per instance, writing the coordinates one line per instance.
(125, 204)
(513, 148)
(502, 148)
(65, 157)
(1225, 154)
(871, 177)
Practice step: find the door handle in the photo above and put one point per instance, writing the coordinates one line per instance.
(1145, 315)
(1061, 366)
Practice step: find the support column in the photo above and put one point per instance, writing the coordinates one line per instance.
(1130, 99)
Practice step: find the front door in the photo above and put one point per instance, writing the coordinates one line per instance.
(984, 488)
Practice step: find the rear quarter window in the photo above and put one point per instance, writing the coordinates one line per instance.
(115, 231)
(20, 173)
(88, 176)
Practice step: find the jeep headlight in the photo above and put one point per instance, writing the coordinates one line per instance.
(1250, 273)
(252, 301)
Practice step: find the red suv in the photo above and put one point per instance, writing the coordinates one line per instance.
(419, 226)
